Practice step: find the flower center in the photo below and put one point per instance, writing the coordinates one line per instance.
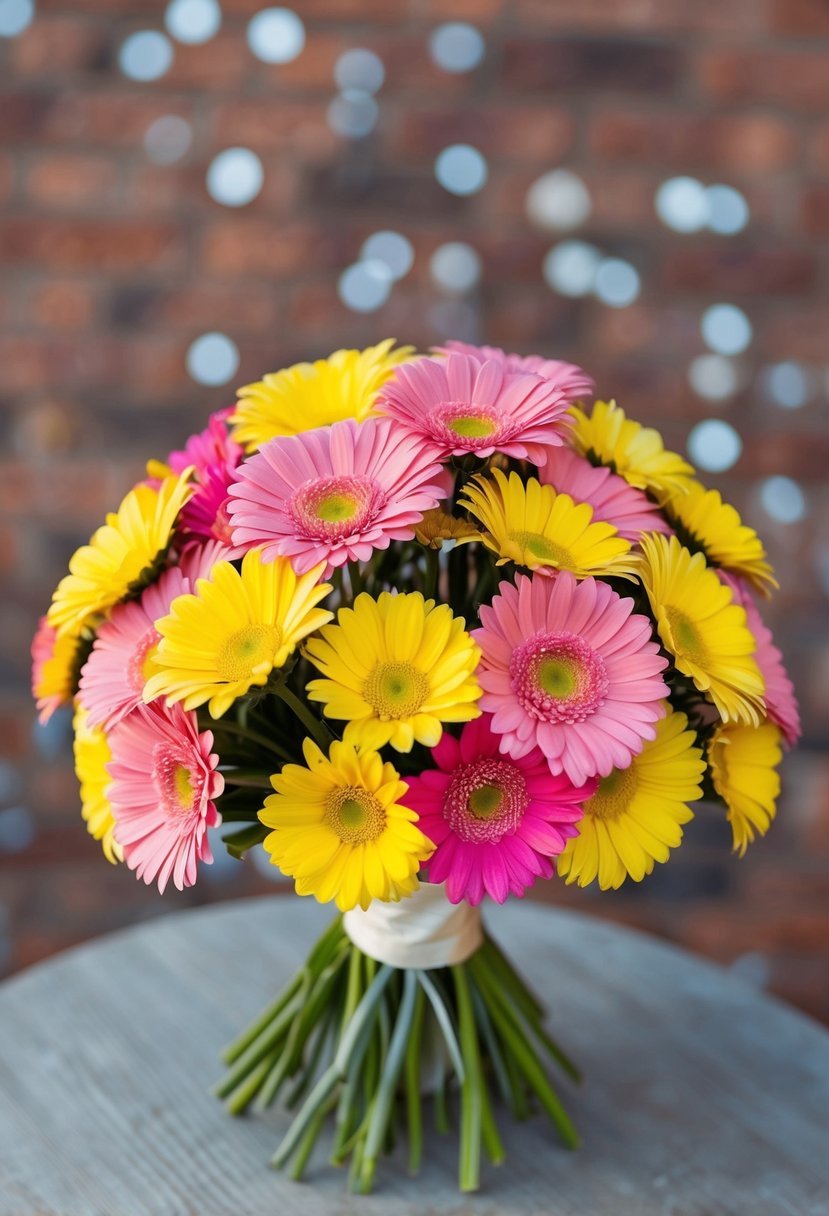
(248, 650)
(354, 814)
(179, 787)
(543, 549)
(558, 677)
(395, 690)
(486, 800)
(686, 638)
(614, 795)
(458, 420)
(139, 666)
(329, 508)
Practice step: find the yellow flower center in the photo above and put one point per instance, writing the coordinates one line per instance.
(685, 636)
(354, 814)
(558, 677)
(395, 690)
(485, 801)
(183, 786)
(334, 508)
(543, 549)
(246, 650)
(614, 795)
(472, 426)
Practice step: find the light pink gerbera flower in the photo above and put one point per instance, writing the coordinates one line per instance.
(162, 790)
(459, 405)
(781, 702)
(113, 677)
(335, 494)
(613, 500)
(567, 666)
(571, 379)
(496, 822)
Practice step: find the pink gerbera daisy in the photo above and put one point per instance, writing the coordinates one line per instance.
(613, 500)
(209, 447)
(496, 822)
(113, 677)
(214, 458)
(781, 702)
(567, 666)
(571, 379)
(459, 405)
(162, 791)
(335, 494)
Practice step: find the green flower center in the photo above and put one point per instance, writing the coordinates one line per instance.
(395, 690)
(685, 636)
(558, 677)
(248, 650)
(355, 815)
(335, 508)
(472, 426)
(542, 549)
(485, 801)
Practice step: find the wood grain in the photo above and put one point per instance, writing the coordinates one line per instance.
(702, 1097)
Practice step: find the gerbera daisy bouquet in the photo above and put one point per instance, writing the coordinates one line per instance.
(427, 629)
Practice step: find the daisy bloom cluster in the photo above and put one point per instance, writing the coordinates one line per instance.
(403, 618)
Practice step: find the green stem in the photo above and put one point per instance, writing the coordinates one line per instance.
(356, 578)
(430, 581)
(250, 778)
(244, 732)
(469, 1161)
(318, 731)
(414, 1109)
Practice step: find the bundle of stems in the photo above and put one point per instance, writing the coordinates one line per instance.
(348, 1036)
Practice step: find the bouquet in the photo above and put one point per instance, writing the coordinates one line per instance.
(427, 629)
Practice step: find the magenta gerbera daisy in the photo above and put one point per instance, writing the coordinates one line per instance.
(568, 667)
(613, 500)
(781, 703)
(164, 781)
(214, 458)
(496, 822)
(209, 447)
(113, 677)
(571, 379)
(459, 405)
(335, 494)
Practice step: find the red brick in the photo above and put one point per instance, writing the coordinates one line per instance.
(791, 79)
(65, 180)
(254, 308)
(111, 244)
(747, 271)
(98, 117)
(756, 143)
(55, 44)
(270, 126)
(225, 62)
(63, 304)
(534, 65)
(819, 148)
(798, 333)
(705, 16)
(47, 426)
(814, 209)
(802, 18)
(7, 177)
(538, 134)
(239, 247)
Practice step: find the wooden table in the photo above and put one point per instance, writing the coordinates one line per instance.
(703, 1098)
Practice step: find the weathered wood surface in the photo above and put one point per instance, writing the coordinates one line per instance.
(702, 1097)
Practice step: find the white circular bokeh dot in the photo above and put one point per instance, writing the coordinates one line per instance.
(145, 55)
(714, 445)
(193, 21)
(168, 139)
(558, 199)
(212, 359)
(713, 377)
(682, 204)
(276, 35)
(455, 267)
(457, 46)
(783, 500)
(461, 169)
(728, 211)
(726, 329)
(365, 286)
(353, 114)
(359, 68)
(15, 17)
(787, 384)
(570, 268)
(392, 249)
(617, 282)
(235, 177)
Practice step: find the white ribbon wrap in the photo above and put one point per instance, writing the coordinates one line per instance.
(422, 931)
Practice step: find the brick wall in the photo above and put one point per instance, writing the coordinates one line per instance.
(113, 265)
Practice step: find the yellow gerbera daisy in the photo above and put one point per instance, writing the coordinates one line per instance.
(436, 527)
(308, 395)
(121, 557)
(743, 761)
(395, 668)
(703, 521)
(229, 636)
(635, 817)
(339, 829)
(533, 526)
(92, 755)
(701, 626)
(633, 451)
